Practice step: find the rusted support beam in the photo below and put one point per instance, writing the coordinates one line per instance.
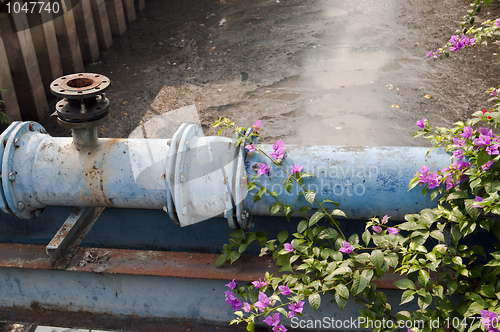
(153, 263)
(64, 244)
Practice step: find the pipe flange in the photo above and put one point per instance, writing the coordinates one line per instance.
(4, 177)
(240, 187)
(84, 99)
(170, 171)
(185, 137)
(14, 143)
(80, 86)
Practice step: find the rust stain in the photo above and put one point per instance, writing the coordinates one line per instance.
(53, 315)
(154, 263)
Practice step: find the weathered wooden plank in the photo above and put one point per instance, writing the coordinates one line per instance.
(68, 44)
(86, 31)
(49, 31)
(129, 11)
(10, 106)
(116, 17)
(101, 21)
(139, 5)
(34, 85)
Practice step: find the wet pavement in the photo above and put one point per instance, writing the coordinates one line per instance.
(316, 71)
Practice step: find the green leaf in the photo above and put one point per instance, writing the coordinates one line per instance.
(338, 213)
(259, 194)
(340, 271)
(482, 158)
(408, 295)
(377, 258)
(221, 260)
(275, 208)
(328, 233)
(359, 284)
(366, 236)
(304, 209)
(316, 217)
(423, 276)
(288, 184)
(457, 195)
(424, 301)
(302, 226)
(282, 236)
(250, 326)
(438, 235)
(314, 301)
(234, 255)
(404, 284)
(341, 295)
(288, 211)
(492, 187)
(310, 196)
(326, 200)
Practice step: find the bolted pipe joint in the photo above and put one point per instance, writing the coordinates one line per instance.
(84, 105)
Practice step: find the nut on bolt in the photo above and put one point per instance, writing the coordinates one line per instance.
(20, 206)
(244, 214)
(12, 176)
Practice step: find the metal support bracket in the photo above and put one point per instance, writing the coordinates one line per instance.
(64, 244)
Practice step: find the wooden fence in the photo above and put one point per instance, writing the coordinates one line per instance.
(39, 45)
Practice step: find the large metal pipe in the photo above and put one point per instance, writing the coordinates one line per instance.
(195, 178)
(365, 181)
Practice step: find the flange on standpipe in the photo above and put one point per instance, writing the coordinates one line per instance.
(84, 106)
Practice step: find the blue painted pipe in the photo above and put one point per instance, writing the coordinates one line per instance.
(365, 181)
(195, 178)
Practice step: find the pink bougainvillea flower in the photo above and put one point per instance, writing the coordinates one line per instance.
(246, 307)
(377, 229)
(346, 248)
(295, 308)
(263, 169)
(257, 124)
(392, 230)
(251, 147)
(489, 320)
(288, 247)
(420, 123)
(273, 321)
(385, 219)
(487, 165)
(231, 284)
(262, 303)
(296, 169)
(259, 283)
(478, 199)
(467, 132)
(284, 289)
